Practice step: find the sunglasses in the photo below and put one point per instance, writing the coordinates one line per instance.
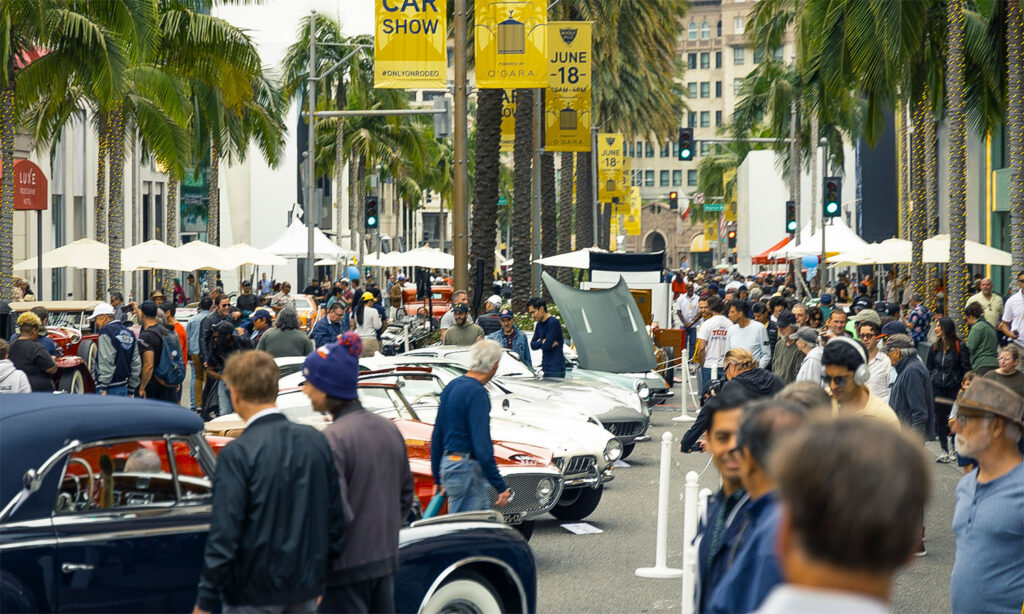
(839, 380)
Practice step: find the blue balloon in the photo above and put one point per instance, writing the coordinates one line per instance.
(352, 272)
(809, 262)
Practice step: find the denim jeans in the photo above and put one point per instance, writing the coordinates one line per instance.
(117, 391)
(464, 483)
(224, 406)
(691, 343)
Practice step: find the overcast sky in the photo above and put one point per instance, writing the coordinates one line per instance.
(273, 24)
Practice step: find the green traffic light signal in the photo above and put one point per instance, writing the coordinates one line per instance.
(791, 226)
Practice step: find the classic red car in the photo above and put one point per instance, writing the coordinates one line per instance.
(70, 329)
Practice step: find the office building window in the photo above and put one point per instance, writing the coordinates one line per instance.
(758, 55)
(691, 31)
(691, 177)
(705, 119)
(705, 89)
(691, 60)
(705, 60)
(718, 118)
(675, 149)
(704, 148)
(738, 56)
(718, 59)
(665, 150)
(718, 89)
(648, 150)
(719, 28)
(737, 24)
(692, 89)
(649, 178)
(632, 151)
(663, 179)
(705, 30)
(639, 149)
(691, 119)
(677, 178)
(737, 83)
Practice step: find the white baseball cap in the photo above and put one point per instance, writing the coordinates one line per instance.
(494, 299)
(103, 309)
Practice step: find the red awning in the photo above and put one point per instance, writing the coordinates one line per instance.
(763, 258)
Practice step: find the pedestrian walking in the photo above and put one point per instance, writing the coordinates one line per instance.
(982, 341)
(459, 297)
(948, 361)
(711, 342)
(151, 348)
(882, 372)
(266, 286)
(687, 307)
(12, 380)
(1008, 373)
(278, 523)
(547, 337)
(988, 571)
(759, 313)
(44, 340)
(991, 303)
(118, 363)
(841, 547)
(835, 325)
(220, 313)
(192, 333)
(246, 301)
(330, 327)
(808, 342)
(747, 333)
(463, 332)
(226, 342)
(1012, 322)
(29, 356)
(511, 338)
(122, 312)
(375, 482)
(918, 319)
(846, 372)
(367, 323)
(286, 338)
(911, 397)
(461, 450)
(743, 374)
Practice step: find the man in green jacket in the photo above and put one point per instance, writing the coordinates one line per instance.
(981, 341)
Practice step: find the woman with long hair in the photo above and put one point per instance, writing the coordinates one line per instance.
(948, 361)
(815, 317)
(366, 323)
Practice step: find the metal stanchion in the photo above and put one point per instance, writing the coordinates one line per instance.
(684, 415)
(690, 512)
(661, 568)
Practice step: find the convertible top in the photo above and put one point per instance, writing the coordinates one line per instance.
(34, 426)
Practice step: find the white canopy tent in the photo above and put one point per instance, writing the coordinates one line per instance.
(294, 244)
(427, 257)
(80, 254)
(839, 238)
(206, 257)
(243, 253)
(935, 250)
(890, 251)
(579, 259)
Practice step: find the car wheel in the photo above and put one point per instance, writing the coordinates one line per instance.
(467, 593)
(525, 529)
(14, 596)
(627, 449)
(72, 382)
(87, 350)
(577, 503)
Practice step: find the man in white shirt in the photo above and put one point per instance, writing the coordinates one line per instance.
(748, 334)
(882, 371)
(807, 340)
(1012, 324)
(688, 312)
(991, 302)
(711, 342)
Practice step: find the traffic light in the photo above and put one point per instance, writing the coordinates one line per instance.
(686, 144)
(371, 220)
(790, 216)
(732, 239)
(673, 200)
(833, 188)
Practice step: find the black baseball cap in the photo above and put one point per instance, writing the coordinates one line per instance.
(148, 309)
(461, 308)
(505, 313)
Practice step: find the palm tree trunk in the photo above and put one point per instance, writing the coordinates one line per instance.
(522, 156)
(341, 216)
(360, 199)
(115, 206)
(956, 286)
(931, 205)
(1015, 119)
(548, 208)
(353, 211)
(584, 201)
(815, 172)
(7, 192)
(903, 169)
(171, 228)
(101, 200)
(565, 215)
(213, 213)
(918, 206)
(485, 186)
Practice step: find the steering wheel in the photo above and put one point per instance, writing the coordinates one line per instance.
(88, 474)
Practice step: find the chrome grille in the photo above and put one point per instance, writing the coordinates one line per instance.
(580, 464)
(524, 489)
(624, 429)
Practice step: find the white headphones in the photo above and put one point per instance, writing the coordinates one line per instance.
(863, 373)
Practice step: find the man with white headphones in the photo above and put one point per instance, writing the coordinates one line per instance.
(845, 375)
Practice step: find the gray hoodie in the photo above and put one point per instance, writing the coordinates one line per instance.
(11, 379)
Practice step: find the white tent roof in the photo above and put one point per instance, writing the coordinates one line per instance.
(294, 243)
(838, 238)
(243, 253)
(936, 249)
(80, 254)
(579, 259)
(890, 251)
(427, 257)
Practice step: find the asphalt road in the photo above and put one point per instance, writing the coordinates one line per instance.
(595, 573)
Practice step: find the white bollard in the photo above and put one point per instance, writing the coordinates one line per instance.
(661, 568)
(690, 504)
(684, 415)
(405, 329)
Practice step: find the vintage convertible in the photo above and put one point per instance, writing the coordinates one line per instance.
(70, 329)
(106, 505)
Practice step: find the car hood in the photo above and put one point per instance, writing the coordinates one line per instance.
(593, 397)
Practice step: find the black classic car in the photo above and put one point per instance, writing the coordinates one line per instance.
(106, 505)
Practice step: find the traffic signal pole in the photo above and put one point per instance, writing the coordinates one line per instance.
(310, 174)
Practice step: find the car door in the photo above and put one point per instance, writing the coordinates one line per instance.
(134, 540)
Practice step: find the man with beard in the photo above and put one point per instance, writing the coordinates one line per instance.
(511, 338)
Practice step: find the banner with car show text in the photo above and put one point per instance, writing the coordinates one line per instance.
(410, 45)
(632, 224)
(511, 43)
(609, 166)
(508, 120)
(567, 101)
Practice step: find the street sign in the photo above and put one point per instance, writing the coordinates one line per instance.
(714, 207)
(698, 198)
(30, 187)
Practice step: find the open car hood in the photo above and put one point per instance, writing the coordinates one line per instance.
(606, 327)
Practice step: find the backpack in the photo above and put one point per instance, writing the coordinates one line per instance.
(170, 369)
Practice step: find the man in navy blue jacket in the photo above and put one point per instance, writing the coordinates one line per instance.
(330, 327)
(547, 337)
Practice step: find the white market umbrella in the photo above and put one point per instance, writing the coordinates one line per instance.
(203, 256)
(154, 254)
(579, 259)
(426, 257)
(936, 249)
(890, 251)
(80, 254)
(294, 244)
(243, 253)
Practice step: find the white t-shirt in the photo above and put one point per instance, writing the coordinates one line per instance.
(752, 337)
(713, 332)
(1013, 312)
(688, 306)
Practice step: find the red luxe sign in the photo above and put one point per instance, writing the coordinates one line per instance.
(30, 187)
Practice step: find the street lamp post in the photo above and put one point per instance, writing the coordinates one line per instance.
(311, 105)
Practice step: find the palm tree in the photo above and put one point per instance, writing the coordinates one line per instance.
(565, 214)
(956, 125)
(584, 198)
(487, 177)
(549, 229)
(522, 157)
(1015, 125)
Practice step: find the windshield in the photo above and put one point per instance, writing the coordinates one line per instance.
(508, 366)
(301, 303)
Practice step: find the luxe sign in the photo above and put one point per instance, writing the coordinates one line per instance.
(567, 103)
(511, 43)
(410, 45)
(31, 189)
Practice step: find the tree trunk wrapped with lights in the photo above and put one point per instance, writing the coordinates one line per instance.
(171, 228)
(956, 285)
(522, 155)
(485, 186)
(565, 215)
(213, 213)
(918, 224)
(931, 206)
(548, 209)
(584, 201)
(115, 207)
(903, 170)
(1015, 127)
(101, 200)
(7, 193)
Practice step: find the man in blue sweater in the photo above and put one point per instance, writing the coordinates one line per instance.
(461, 451)
(511, 338)
(330, 327)
(547, 337)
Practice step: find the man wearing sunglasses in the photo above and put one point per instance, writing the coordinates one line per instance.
(841, 361)
(988, 572)
(1012, 324)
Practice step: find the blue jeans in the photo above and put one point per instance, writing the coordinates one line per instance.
(193, 402)
(464, 483)
(117, 391)
(224, 406)
(691, 343)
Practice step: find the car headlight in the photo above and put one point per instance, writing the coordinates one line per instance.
(613, 451)
(545, 488)
(643, 390)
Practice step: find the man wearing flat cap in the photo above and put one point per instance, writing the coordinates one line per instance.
(988, 572)
(911, 396)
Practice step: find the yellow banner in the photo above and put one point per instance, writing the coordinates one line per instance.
(609, 166)
(615, 231)
(632, 224)
(567, 101)
(410, 45)
(511, 42)
(711, 231)
(508, 120)
(620, 200)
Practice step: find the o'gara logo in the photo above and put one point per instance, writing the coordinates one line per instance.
(568, 35)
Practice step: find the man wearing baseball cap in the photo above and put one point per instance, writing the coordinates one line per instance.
(261, 320)
(463, 332)
(988, 572)
(489, 321)
(373, 471)
(511, 338)
(118, 365)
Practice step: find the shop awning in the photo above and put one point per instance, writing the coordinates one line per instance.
(764, 258)
(699, 244)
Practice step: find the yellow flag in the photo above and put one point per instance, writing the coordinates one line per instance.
(410, 44)
(508, 120)
(620, 201)
(632, 225)
(615, 231)
(609, 166)
(511, 42)
(567, 101)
